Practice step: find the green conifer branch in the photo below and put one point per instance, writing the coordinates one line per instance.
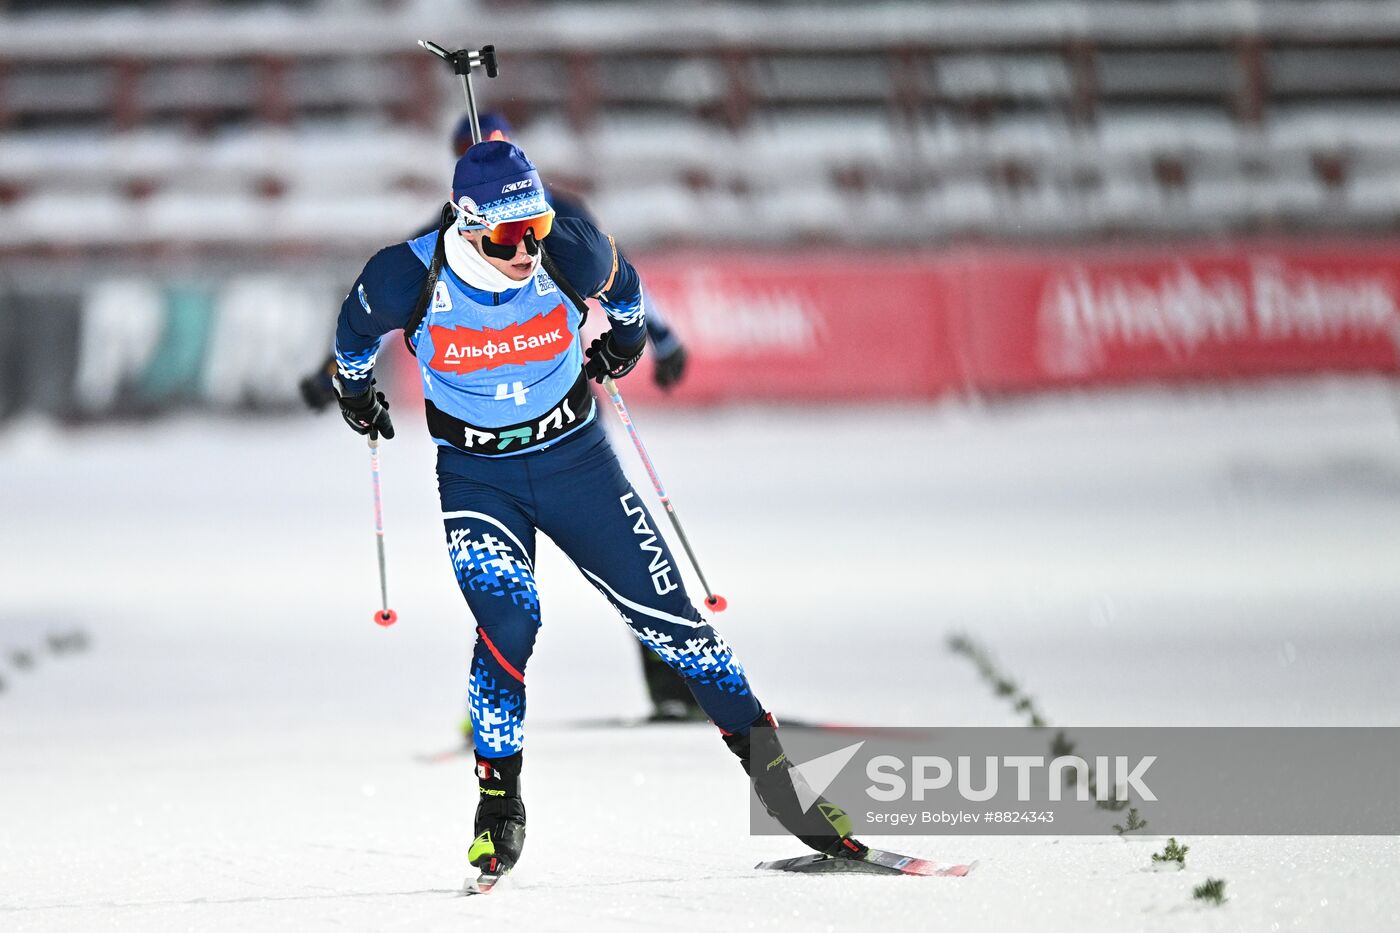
(1212, 891)
(1172, 853)
(1133, 823)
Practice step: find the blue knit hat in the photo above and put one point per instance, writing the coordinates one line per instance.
(495, 181)
(493, 126)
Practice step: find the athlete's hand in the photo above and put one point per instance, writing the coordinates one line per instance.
(670, 367)
(607, 358)
(366, 412)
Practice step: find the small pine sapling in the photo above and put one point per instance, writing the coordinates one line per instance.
(1172, 854)
(1212, 891)
(1133, 823)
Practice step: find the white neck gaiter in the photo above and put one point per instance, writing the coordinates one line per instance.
(473, 268)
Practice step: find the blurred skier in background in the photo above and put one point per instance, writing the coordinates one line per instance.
(520, 450)
(670, 699)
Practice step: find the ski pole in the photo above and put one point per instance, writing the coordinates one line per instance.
(713, 601)
(385, 616)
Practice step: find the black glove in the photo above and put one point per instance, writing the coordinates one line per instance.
(316, 389)
(607, 358)
(670, 368)
(366, 412)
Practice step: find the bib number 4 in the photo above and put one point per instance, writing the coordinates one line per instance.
(516, 391)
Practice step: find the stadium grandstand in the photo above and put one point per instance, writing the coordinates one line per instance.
(216, 126)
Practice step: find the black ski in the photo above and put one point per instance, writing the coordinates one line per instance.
(873, 862)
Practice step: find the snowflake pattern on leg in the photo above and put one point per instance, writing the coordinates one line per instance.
(702, 657)
(490, 565)
(498, 712)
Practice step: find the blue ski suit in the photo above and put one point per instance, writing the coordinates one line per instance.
(520, 451)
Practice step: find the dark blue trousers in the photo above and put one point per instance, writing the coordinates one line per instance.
(574, 492)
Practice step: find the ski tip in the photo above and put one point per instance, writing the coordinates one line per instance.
(488, 877)
(927, 869)
(484, 883)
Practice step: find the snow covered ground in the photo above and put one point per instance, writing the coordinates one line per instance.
(236, 751)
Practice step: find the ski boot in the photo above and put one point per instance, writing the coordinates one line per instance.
(823, 826)
(500, 821)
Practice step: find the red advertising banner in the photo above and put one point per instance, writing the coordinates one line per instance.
(834, 325)
(1029, 321)
(812, 325)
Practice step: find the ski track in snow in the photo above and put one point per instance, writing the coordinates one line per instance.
(236, 751)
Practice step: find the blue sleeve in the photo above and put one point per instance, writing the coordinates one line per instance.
(592, 263)
(382, 299)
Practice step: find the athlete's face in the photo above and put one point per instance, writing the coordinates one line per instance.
(518, 267)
